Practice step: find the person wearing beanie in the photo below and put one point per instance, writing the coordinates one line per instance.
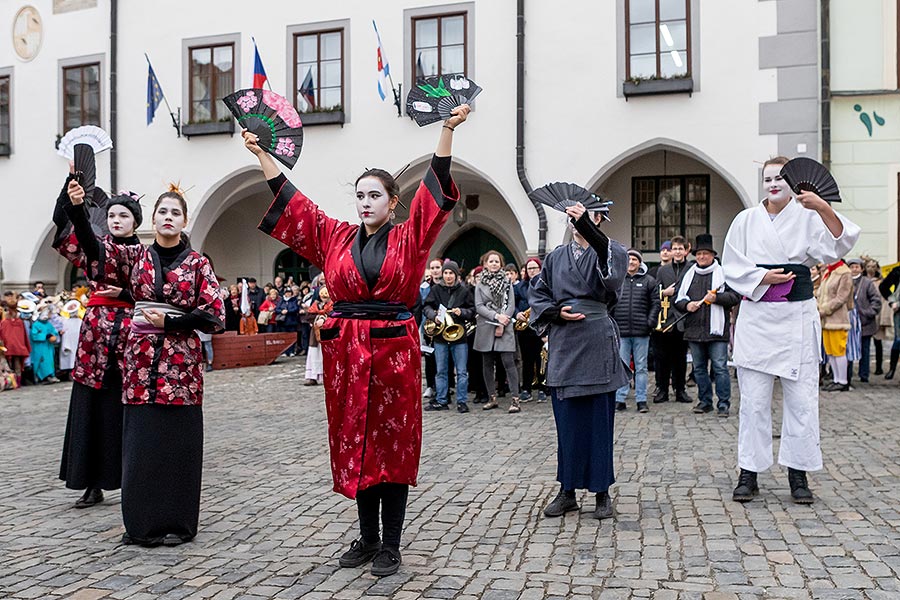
(767, 256)
(635, 313)
(450, 297)
(92, 446)
(706, 302)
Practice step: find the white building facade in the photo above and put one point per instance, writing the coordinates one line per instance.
(668, 108)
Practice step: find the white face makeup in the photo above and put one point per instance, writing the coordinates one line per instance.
(373, 205)
(169, 219)
(120, 221)
(776, 187)
(493, 263)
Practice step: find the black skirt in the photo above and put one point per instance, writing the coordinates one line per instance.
(92, 450)
(162, 463)
(584, 430)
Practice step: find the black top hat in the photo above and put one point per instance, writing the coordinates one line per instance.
(704, 242)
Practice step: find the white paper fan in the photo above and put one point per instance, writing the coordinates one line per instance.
(91, 135)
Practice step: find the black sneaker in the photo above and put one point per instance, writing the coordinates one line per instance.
(91, 497)
(660, 396)
(462, 407)
(723, 413)
(683, 398)
(360, 553)
(836, 387)
(436, 406)
(642, 407)
(604, 508)
(386, 562)
(620, 406)
(564, 502)
(701, 409)
(746, 487)
(799, 487)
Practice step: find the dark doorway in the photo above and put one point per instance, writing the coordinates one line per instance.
(467, 249)
(290, 264)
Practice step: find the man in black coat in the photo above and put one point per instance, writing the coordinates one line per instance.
(670, 348)
(256, 295)
(456, 297)
(635, 314)
(703, 295)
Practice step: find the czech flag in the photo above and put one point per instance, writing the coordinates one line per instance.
(259, 72)
(308, 90)
(384, 69)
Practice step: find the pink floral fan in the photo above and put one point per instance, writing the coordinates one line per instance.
(272, 118)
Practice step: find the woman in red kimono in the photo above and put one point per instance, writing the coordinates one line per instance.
(92, 450)
(176, 292)
(370, 343)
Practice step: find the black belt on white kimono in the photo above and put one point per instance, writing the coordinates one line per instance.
(372, 310)
(593, 310)
(803, 285)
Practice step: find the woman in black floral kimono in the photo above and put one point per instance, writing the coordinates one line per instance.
(176, 292)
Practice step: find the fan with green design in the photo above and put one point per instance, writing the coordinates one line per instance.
(272, 118)
(433, 98)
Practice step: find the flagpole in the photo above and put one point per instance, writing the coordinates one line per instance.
(166, 100)
(256, 53)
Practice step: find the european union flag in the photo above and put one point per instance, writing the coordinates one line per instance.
(154, 93)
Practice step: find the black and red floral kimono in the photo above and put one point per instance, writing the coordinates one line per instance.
(92, 450)
(162, 447)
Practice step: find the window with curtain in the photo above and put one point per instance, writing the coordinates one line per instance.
(657, 39)
(211, 79)
(319, 71)
(663, 207)
(81, 96)
(439, 45)
(4, 116)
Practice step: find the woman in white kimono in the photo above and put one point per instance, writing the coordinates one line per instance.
(768, 252)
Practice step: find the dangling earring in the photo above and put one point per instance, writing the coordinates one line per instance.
(392, 215)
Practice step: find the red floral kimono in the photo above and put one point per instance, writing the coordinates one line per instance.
(106, 322)
(166, 368)
(373, 376)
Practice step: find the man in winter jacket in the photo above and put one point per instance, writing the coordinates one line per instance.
(669, 346)
(449, 292)
(703, 295)
(635, 314)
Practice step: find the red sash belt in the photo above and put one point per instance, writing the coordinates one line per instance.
(111, 302)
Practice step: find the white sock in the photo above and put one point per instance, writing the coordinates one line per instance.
(839, 368)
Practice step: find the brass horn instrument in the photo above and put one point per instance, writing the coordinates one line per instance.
(452, 332)
(664, 305)
(522, 324)
(433, 327)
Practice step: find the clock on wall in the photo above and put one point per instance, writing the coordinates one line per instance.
(27, 32)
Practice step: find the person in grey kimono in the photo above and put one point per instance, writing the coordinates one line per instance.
(579, 284)
(495, 305)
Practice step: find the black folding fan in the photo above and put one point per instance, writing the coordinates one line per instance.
(805, 174)
(560, 196)
(272, 118)
(433, 98)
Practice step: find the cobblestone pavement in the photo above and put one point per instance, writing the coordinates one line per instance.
(271, 527)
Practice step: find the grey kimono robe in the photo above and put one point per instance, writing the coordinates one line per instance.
(583, 355)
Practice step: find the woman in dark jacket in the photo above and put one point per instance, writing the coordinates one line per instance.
(530, 344)
(287, 313)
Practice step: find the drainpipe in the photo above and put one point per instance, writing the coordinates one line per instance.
(520, 127)
(113, 96)
(826, 83)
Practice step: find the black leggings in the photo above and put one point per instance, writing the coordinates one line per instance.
(508, 359)
(392, 499)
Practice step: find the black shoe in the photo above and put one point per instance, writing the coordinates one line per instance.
(479, 400)
(723, 412)
(564, 502)
(889, 374)
(604, 508)
(837, 387)
(878, 371)
(386, 562)
(462, 407)
(660, 396)
(701, 408)
(746, 487)
(172, 540)
(436, 406)
(126, 539)
(864, 380)
(360, 553)
(620, 406)
(642, 407)
(799, 487)
(91, 497)
(683, 398)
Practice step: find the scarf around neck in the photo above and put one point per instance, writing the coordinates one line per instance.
(716, 312)
(498, 284)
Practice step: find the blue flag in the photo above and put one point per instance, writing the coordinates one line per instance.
(154, 93)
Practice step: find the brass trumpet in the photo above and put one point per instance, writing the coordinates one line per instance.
(433, 327)
(664, 305)
(522, 325)
(447, 329)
